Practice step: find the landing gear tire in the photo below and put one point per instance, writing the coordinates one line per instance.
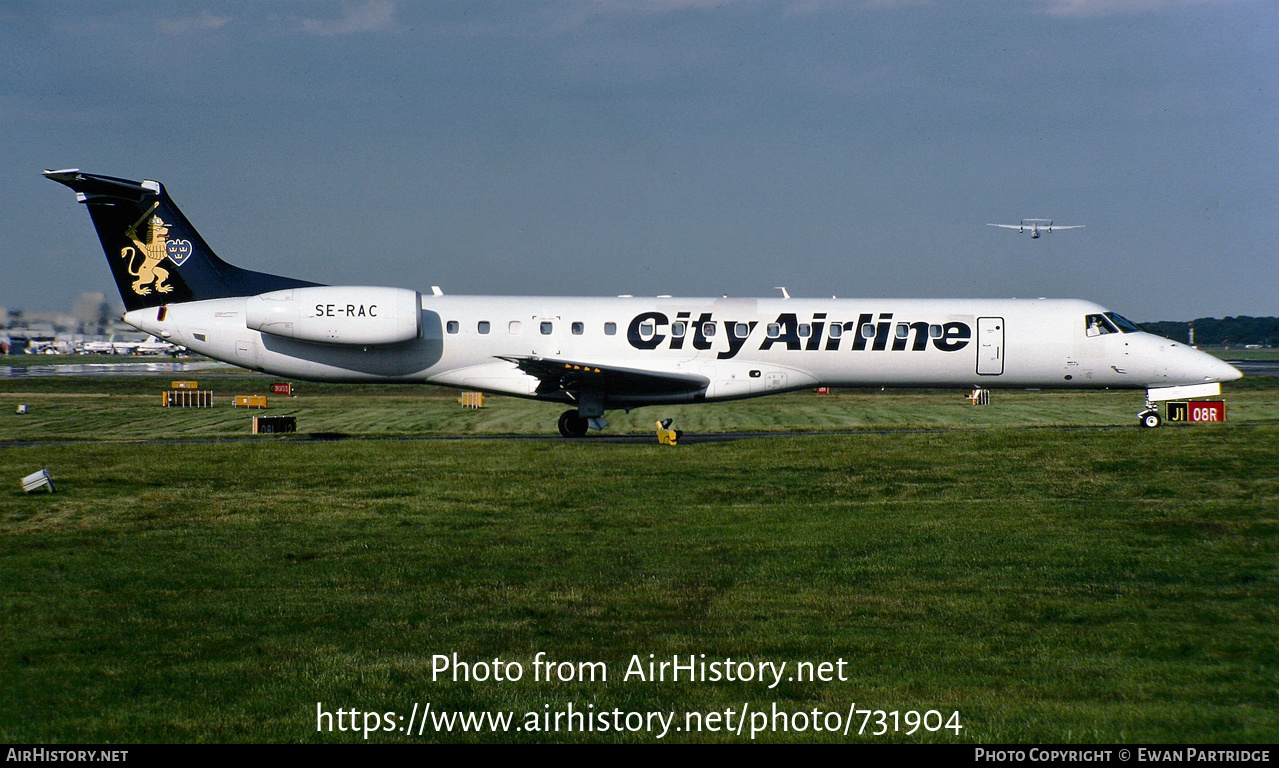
(572, 425)
(1149, 419)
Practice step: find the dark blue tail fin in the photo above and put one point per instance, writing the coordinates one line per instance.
(156, 256)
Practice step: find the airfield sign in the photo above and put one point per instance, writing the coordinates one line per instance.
(1198, 411)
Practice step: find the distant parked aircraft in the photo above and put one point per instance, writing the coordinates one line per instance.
(1035, 225)
(152, 346)
(97, 348)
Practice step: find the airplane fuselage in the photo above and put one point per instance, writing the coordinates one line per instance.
(597, 354)
(741, 347)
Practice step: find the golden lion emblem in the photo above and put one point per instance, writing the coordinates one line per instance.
(154, 251)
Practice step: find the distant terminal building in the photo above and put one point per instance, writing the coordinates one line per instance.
(93, 312)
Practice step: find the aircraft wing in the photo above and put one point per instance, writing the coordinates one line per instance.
(1006, 226)
(575, 376)
(1072, 226)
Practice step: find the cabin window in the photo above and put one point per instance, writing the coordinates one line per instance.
(483, 326)
(579, 329)
(868, 331)
(805, 330)
(774, 330)
(935, 331)
(647, 329)
(836, 330)
(679, 328)
(903, 330)
(610, 329)
(515, 328)
(708, 329)
(547, 327)
(742, 330)
(452, 326)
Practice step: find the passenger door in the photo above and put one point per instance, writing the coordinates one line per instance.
(990, 346)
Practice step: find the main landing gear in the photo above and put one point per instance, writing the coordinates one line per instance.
(573, 425)
(589, 414)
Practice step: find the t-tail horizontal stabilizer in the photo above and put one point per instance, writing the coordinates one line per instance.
(156, 256)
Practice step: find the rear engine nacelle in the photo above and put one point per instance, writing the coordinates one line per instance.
(356, 315)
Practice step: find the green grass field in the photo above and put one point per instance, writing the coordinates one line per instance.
(1049, 584)
(128, 408)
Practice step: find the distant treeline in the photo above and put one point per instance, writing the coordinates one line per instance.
(1211, 331)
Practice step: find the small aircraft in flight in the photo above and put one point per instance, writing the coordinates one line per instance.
(1035, 226)
(599, 354)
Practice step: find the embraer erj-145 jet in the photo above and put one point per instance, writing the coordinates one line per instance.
(600, 354)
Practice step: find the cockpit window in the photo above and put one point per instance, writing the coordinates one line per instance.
(1125, 325)
(1099, 325)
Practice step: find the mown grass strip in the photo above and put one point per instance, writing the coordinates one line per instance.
(1051, 585)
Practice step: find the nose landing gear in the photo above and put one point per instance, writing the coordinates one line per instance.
(1149, 418)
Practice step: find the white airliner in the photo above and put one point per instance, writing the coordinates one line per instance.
(1034, 225)
(601, 354)
(154, 346)
(98, 348)
(111, 346)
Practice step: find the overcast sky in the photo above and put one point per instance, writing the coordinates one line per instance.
(688, 147)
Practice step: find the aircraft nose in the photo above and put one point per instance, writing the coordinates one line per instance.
(1213, 369)
(1228, 372)
(1183, 365)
